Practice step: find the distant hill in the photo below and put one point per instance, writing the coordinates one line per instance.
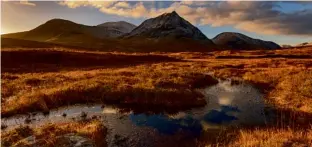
(116, 29)
(304, 44)
(167, 25)
(286, 46)
(64, 31)
(233, 40)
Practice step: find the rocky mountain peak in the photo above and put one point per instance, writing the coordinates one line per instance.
(167, 25)
(171, 14)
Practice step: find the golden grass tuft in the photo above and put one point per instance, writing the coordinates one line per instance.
(273, 138)
(257, 137)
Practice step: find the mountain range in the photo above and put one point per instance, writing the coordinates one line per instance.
(152, 34)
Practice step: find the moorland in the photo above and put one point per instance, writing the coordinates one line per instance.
(161, 76)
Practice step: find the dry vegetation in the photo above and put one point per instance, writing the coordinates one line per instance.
(286, 81)
(160, 86)
(167, 84)
(274, 137)
(265, 137)
(51, 135)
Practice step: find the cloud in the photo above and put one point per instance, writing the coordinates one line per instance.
(298, 23)
(251, 16)
(78, 3)
(136, 11)
(26, 2)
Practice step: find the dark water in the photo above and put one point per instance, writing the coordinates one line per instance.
(227, 105)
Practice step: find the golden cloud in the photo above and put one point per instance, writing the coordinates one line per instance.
(26, 2)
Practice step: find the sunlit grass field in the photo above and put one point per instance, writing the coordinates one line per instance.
(159, 82)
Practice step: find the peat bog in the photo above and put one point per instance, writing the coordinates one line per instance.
(195, 96)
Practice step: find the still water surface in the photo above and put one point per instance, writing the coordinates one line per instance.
(228, 104)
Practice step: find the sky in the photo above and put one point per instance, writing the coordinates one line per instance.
(281, 22)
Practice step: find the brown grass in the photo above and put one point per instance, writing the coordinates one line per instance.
(285, 80)
(274, 137)
(54, 60)
(49, 135)
(143, 87)
(258, 137)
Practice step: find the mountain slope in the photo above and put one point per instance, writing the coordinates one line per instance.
(56, 30)
(116, 29)
(67, 33)
(239, 41)
(168, 25)
(64, 31)
(18, 43)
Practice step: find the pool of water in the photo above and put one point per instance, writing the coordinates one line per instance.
(228, 104)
